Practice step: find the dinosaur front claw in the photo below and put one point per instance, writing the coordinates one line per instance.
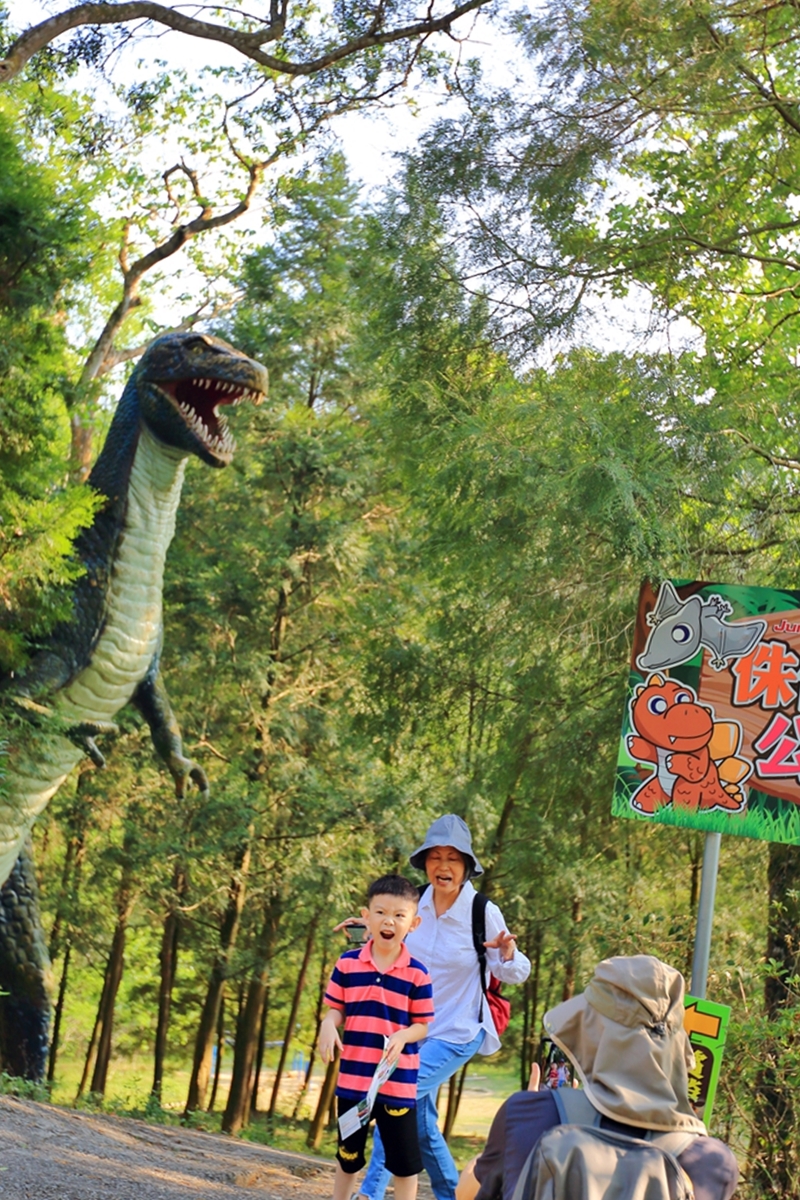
(186, 768)
(83, 735)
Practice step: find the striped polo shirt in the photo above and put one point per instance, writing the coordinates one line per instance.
(376, 1003)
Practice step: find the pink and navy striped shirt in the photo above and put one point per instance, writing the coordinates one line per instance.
(375, 1003)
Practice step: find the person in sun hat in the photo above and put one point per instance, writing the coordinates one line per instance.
(625, 1038)
(462, 1025)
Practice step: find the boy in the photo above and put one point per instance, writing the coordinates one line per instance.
(377, 991)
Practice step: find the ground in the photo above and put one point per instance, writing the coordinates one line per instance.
(49, 1153)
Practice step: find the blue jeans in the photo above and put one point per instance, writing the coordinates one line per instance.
(437, 1062)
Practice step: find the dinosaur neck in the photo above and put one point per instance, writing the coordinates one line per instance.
(131, 627)
(154, 492)
(141, 479)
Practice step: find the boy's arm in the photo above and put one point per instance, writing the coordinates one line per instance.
(329, 1040)
(401, 1037)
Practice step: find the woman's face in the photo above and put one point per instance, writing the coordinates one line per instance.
(446, 869)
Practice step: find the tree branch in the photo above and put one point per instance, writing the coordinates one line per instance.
(247, 42)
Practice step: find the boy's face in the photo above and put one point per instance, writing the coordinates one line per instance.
(389, 919)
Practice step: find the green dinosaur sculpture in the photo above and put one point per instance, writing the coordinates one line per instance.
(108, 654)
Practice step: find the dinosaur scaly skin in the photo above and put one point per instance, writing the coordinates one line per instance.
(108, 654)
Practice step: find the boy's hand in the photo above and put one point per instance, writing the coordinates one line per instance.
(329, 1040)
(395, 1045)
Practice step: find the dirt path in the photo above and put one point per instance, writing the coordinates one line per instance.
(49, 1153)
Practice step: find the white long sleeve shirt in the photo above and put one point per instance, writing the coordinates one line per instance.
(444, 944)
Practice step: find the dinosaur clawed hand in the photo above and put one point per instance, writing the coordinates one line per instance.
(81, 734)
(183, 769)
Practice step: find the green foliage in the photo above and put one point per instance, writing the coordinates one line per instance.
(23, 1089)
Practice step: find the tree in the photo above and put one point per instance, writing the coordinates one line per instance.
(45, 248)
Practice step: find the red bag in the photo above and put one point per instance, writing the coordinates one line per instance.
(499, 1007)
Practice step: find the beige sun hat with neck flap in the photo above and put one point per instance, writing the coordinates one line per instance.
(625, 1038)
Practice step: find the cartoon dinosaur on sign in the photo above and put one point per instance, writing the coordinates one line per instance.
(681, 627)
(696, 758)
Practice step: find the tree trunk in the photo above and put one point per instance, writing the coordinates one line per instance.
(776, 1157)
(290, 1024)
(237, 1110)
(113, 978)
(530, 1037)
(569, 971)
(262, 1034)
(220, 1048)
(58, 1014)
(323, 1104)
(206, 1032)
(61, 933)
(312, 1054)
(454, 1090)
(90, 1049)
(168, 958)
(496, 849)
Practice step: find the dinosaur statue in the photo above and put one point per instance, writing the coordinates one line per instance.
(108, 653)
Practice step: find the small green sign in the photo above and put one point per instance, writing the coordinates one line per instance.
(707, 1026)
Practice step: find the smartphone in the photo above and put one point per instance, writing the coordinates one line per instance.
(356, 933)
(557, 1070)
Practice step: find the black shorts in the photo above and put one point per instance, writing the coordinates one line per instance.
(398, 1126)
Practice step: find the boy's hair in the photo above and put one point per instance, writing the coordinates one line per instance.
(393, 885)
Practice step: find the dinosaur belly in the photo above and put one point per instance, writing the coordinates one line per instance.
(123, 653)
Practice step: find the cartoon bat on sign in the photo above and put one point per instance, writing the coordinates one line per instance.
(681, 627)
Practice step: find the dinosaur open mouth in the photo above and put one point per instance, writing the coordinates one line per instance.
(199, 400)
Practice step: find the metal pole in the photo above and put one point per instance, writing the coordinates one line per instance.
(705, 915)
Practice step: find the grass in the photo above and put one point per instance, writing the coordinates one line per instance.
(757, 821)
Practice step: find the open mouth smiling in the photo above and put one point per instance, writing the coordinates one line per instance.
(198, 401)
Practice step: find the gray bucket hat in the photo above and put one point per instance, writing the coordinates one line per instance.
(448, 830)
(625, 1036)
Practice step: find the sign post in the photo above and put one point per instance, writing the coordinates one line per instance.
(705, 914)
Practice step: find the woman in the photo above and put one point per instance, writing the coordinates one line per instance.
(462, 1025)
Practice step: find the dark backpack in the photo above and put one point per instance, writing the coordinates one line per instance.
(578, 1160)
(499, 1006)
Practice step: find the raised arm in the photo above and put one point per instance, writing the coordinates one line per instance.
(152, 701)
(503, 958)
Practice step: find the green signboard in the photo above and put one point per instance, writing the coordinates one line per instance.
(707, 1026)
(711, 731)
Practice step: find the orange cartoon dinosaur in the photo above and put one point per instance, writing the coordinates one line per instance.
(696, 761)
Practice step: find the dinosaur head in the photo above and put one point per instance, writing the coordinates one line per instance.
(667, 713)
(183, 381)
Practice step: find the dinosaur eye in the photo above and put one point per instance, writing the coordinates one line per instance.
(657, 705)
(681, 634)
(684, 698)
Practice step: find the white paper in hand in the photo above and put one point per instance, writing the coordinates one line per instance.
(351, 1121)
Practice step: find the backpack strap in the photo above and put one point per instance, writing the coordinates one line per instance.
(575, 1108)
(673, 1143)
(479, 902)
